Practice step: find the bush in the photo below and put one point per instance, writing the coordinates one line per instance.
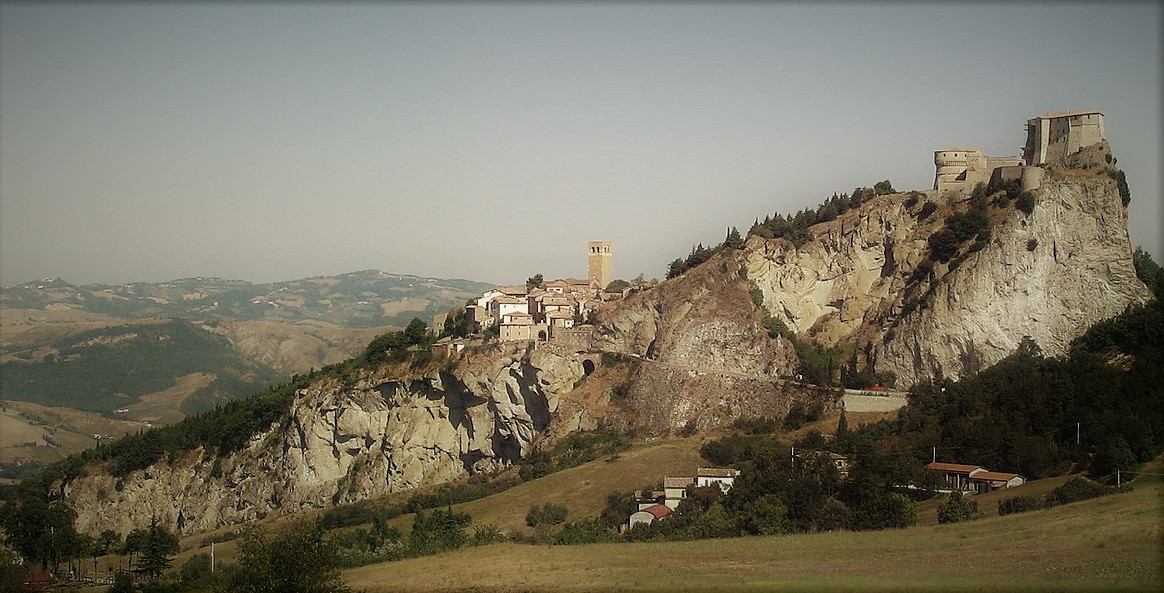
(1025, 202)
(927, 209)
(585, 531)
(1018, 504)
(958, 508)
(1075, 490)
(547, 514)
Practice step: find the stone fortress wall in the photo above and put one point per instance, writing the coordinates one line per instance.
(1050, 137)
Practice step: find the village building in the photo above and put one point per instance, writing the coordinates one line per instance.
(649, 515)
(675, 490)
(714, 476)
(974, 478)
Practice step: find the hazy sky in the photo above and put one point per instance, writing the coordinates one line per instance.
(268, 141)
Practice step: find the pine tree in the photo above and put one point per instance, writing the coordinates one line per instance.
(158, 549)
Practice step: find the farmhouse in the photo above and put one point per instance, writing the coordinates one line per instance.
(974, 478)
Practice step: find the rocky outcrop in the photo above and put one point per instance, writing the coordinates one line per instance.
(702, 357)
(341, 444)
(1048, 275)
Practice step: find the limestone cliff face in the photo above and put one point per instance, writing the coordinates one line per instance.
(702, 356)
(1049, 275)
(341, 444)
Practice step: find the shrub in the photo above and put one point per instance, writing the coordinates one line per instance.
(1025, 202)
(1018, 504)
(1075, 490)
(1032, 244)
(958, 508)
(927, 209)
(585, 531)
(547, 514)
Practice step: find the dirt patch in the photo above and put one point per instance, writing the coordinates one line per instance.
(164, 407)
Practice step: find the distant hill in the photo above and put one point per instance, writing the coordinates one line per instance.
(369, 298)
(110, 370)
(109, 360)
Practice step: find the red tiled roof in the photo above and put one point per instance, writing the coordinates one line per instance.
(995, 476)
(658, 510)
(954, 468)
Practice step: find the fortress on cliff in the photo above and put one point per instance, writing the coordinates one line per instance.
(1050, 138)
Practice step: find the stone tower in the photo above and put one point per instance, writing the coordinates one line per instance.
(599, 264)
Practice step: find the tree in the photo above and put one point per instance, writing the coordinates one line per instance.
(295, 559)
(416, 332)
(882, 188)
(617, 286)
(157, 549)
(537, 281)
(733, 240)
(958, 508)
(677, 267)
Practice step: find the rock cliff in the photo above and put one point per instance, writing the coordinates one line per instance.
(341, 444)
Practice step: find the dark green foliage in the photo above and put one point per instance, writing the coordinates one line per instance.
(450, 494)
(1121, 185)
(196, 569)
(777, 328)
(960, 227)
(619, 507)
(756, 294)
(537, 281)
(350, 515)
(958, 508)
(1148, 271)
(730, 450)
(394, 346)
(158, 547)
(818, 364)
(912, 200)
(437, 531)
(38, 529)
(733, 240)
(1075, 490)
(1019, 504)
(297, 559)
(1025, 202)
(95, 370)
(458, 324)
(576, 449)
(122, 583)
(617, 286)
(761, 425)
(927, 209)
(882, 188)
(584, 531)
(547, 514)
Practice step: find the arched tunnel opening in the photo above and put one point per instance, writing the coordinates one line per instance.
(587, 366)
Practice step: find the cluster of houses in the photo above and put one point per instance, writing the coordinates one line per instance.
(537, 313)
(657, 504)
(974, 478)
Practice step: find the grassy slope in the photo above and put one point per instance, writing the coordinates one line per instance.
(1109, 543)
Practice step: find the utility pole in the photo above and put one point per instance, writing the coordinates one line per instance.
(1076, 433)
(1117, 478)
(211, 556)
(935, 457)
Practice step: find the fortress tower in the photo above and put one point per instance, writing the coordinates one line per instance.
(599, 264)
(1054, 136)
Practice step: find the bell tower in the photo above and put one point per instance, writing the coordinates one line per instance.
(599, 266)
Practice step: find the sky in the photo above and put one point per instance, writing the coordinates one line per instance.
(490, 141)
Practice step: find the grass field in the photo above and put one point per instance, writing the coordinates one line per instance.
(1109, 543)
